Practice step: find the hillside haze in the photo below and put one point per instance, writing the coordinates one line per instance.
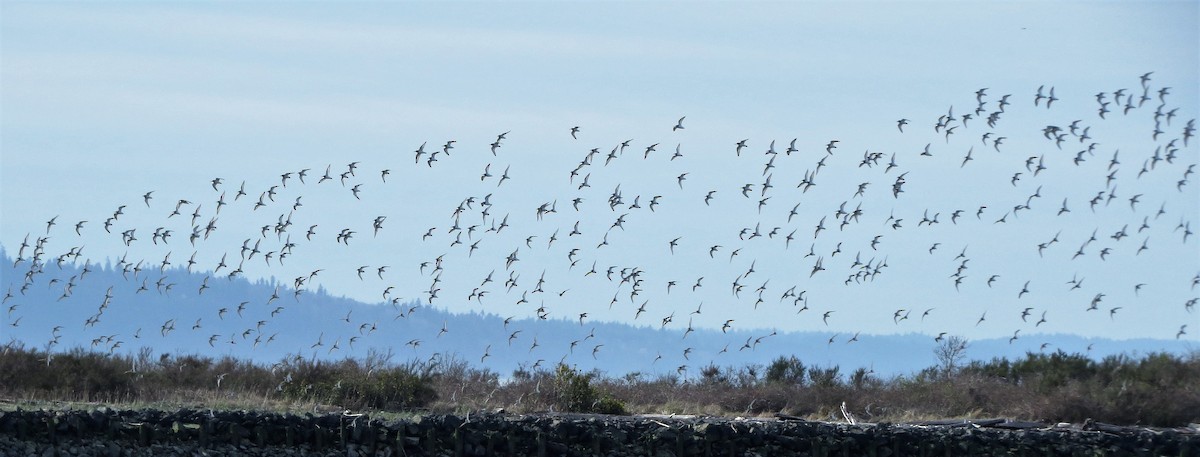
(135, 320)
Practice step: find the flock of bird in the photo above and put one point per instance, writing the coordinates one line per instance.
(629, 232)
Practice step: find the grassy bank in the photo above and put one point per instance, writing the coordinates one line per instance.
(1155, 389)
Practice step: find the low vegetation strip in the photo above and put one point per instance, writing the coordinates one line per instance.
(150, 432)
(1160, 390)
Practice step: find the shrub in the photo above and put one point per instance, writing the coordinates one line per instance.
(347, 385)
(574, 392)
(713, 375)
(824, 377)
(786, 370)
(863, 378)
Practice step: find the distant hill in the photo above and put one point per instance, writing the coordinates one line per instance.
(167, 312)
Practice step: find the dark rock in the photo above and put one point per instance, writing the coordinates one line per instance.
(1020, 425)
(190, 432)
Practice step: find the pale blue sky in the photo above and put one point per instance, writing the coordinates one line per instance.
(102, 102)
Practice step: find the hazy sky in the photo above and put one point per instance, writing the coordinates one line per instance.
(101, 103)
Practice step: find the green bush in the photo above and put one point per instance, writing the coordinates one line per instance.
(863, 378)
(786, 370)
(824, 377)
(607, 404)
(574, 392)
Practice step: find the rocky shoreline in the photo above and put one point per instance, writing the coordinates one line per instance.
(107, 432)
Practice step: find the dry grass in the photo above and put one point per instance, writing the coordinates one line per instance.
(1158, 389)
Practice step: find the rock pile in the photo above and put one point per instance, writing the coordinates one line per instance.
(106, 432)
